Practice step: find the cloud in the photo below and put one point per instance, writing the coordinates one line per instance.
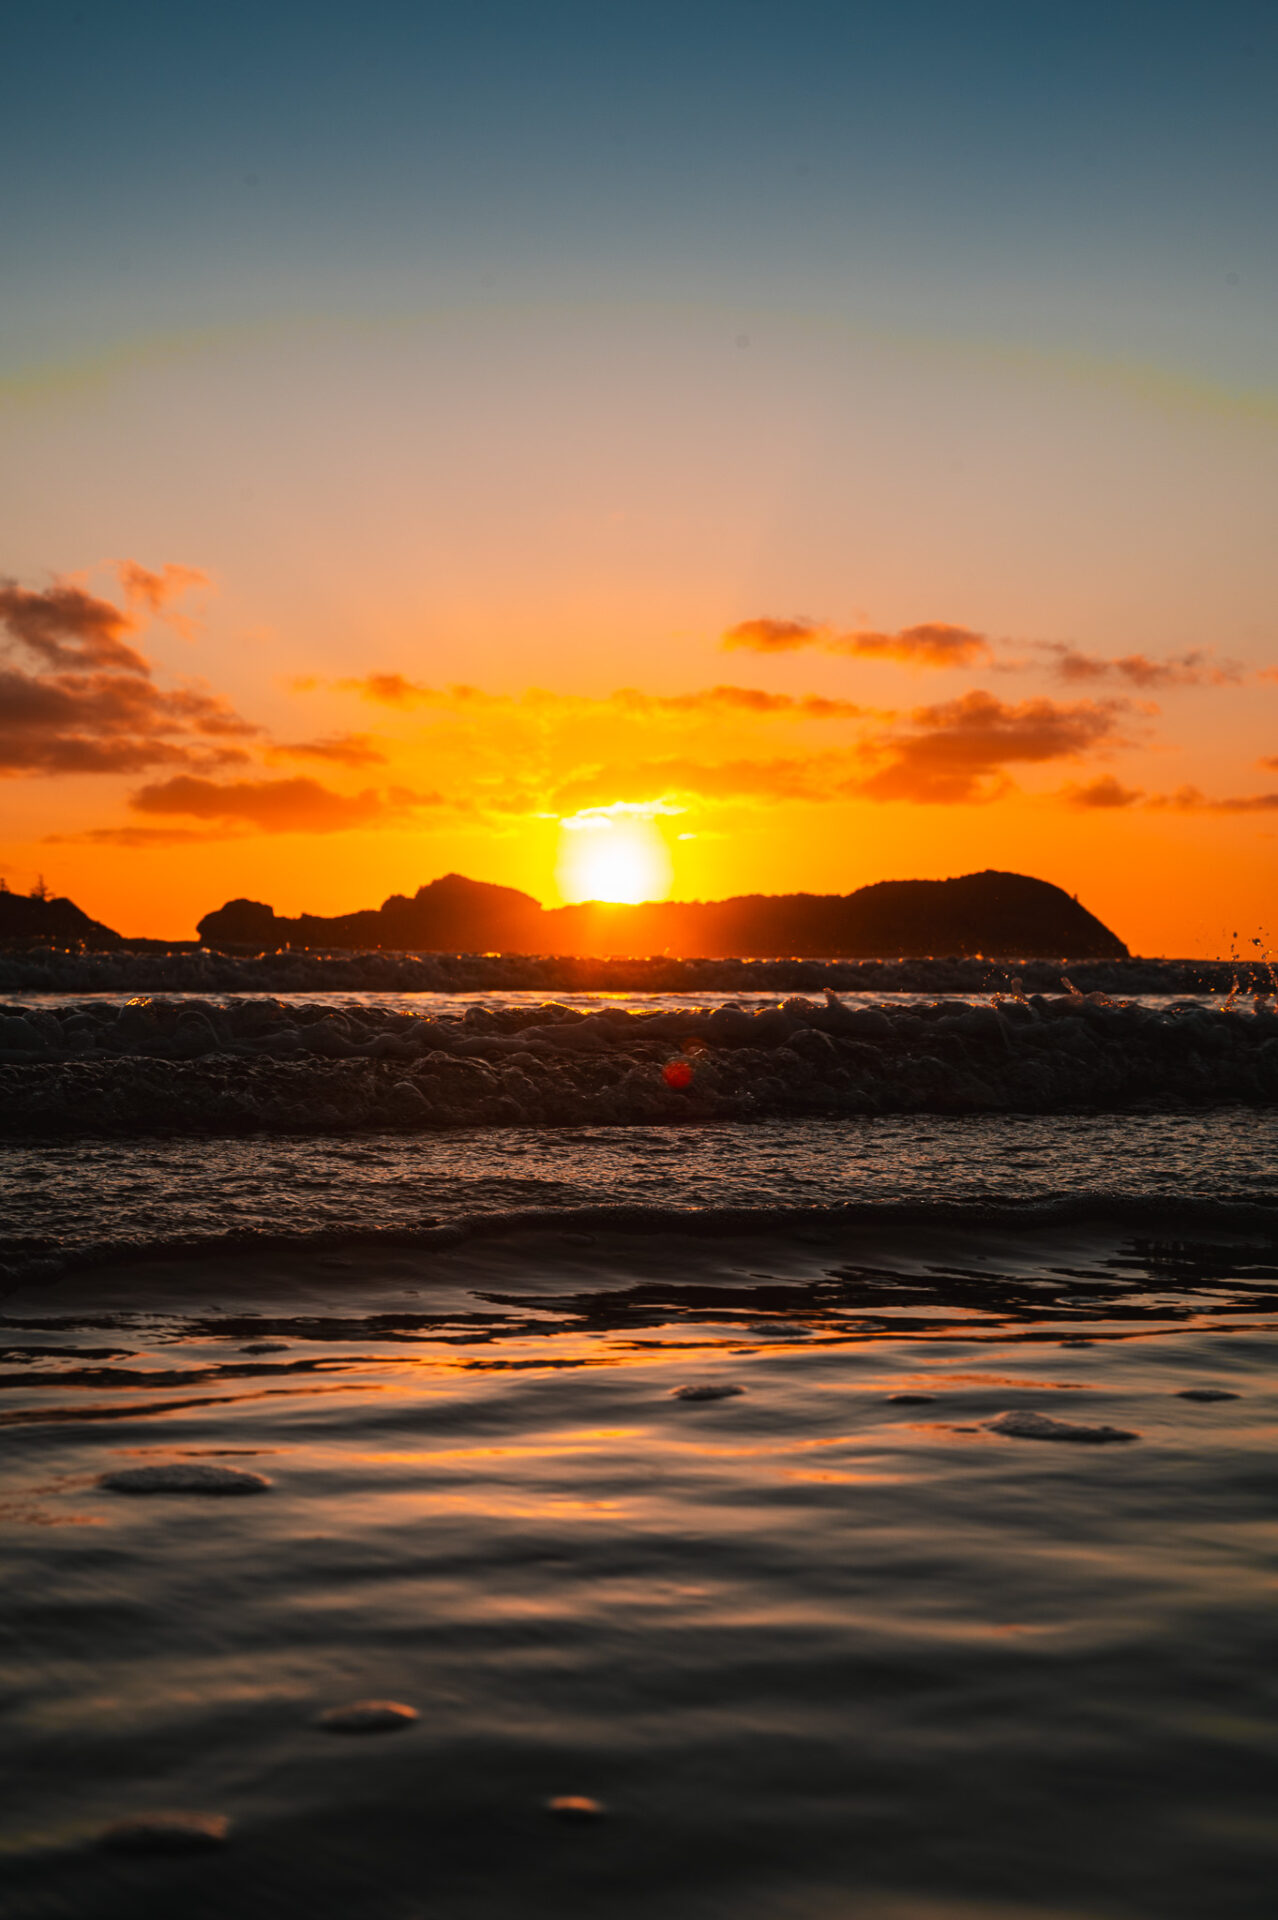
(142, 837)
(341, 749)
(388, 689)
(65, 627)
(1102, 793)
(392, 689)
(954, 752)
(84, 701)
(963, 745)
(774, 636)
(749, 700)
(1245, 803)
(935, 643)
(298, 805)
(154, 591)
(1192, 800)
(110, 723)
(647, 782)
(592, 819)
(1197, 668)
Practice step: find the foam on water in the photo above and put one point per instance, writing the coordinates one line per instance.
(58, 1199)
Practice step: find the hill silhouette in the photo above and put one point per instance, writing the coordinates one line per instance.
(57, 923)
(1000, 915)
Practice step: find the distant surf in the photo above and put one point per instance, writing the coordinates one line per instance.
(157, 1065)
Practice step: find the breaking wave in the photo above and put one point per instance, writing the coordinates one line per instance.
(208, 1067)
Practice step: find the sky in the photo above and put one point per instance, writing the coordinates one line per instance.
(630, 450)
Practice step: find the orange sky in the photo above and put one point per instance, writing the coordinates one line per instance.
(164, 756)
(485, 442)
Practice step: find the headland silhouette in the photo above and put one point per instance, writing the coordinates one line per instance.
(992, 914)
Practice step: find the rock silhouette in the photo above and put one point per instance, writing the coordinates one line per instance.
(60, 923)
(991, 913)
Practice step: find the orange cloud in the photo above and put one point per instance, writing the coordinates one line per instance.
(1192, 800)
(730, 699)
(142, 837)
(389, 689)
(964, 744)
(299, 805)
(814, 777)
(935, 643)
(392, 689)
(953, 752)
(1105, 792)
(153, 590)
(342, 749)
(774, 636)
(1198, 668)
(89, 703)
(67, 627)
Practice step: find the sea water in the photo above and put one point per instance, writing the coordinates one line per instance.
(847, 1631)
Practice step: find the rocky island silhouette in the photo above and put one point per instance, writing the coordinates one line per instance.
(992, 914)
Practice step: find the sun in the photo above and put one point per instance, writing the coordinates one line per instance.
(624, 861)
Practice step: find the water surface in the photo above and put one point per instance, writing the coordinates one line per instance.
(818, 1649)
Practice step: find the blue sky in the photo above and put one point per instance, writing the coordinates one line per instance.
(1094, 176)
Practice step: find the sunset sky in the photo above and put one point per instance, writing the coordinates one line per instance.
(641, 449)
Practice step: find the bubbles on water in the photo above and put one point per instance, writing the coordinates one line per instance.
(575, 1806)
(166, 1833)
(185, 1479)
(1023, 1424)
(367, 1716)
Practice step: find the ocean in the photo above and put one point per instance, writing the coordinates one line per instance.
(788, 1507)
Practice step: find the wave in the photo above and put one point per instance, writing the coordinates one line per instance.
(156, 969)
(1157, 1220)
(156, 1066)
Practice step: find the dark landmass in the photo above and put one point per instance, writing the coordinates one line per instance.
(991, 914)
(58, 923)
(154, 1066)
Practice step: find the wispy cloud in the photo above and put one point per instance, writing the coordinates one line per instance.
(1107, 792)
(941, 644)
(142, 838)
(592, 819)
(1197, 668)
(1192, 800)
(75, 697)
(340, 749)
(813, 777)
(65, 627)
(934, 643)
(961, 748)
(298, 805)
(394, 690)
(768, 635)
(157, 590)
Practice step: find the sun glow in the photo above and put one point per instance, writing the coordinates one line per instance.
(622, 860)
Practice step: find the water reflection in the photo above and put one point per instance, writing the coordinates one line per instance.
(830, 1645)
